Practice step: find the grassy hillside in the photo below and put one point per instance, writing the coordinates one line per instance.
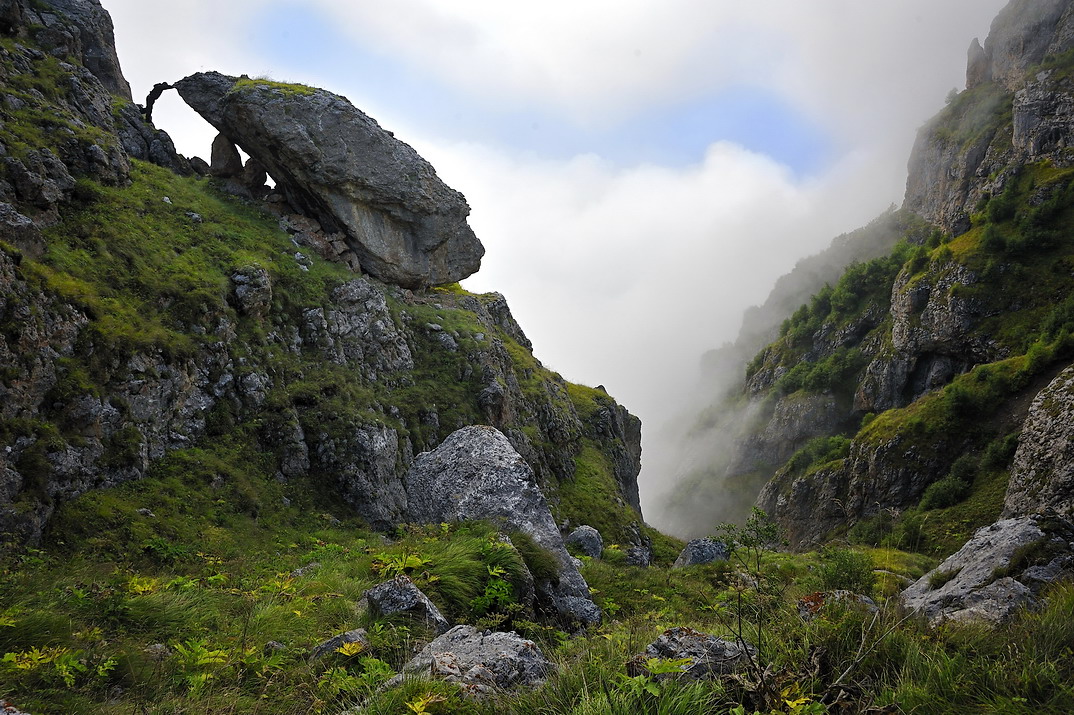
(209, 604)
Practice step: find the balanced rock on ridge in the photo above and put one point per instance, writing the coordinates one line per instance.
(337, 165)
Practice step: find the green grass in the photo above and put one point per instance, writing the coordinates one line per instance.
(591, 497)
(285, 88)
(215, 595)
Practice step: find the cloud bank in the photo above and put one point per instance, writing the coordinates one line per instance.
(622, 273)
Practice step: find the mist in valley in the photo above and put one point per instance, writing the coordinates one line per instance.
(640, 176)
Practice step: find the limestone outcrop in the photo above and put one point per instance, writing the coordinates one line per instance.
(1042, 476)
(482, 663)
(337, 165)
(968, 152)
(1000, 570)
(477, 475)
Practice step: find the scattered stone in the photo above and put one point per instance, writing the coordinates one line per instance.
(587, 540)
(809, 606)
(639, 555)
(333, 644)
(334, 163)
(307, 569)
(447, 342)
(999, 570)
(701, 551)
(481, 662)
(147, 513)
(400, 595)
(476, 474)
(252, 289)
(707, 655)
(158, 651)
(9, 709)
(194, 216)
(273, 647)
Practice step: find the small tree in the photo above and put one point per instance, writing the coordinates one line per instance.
(758, 593)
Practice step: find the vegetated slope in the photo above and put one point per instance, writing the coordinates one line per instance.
(143, 311)
(917, 368)
(713, 480)
(247, 407)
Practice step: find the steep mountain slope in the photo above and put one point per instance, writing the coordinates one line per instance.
(218, 437)
(906, 378)
(143, 312)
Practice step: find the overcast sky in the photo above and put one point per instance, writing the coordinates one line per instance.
(640, 171)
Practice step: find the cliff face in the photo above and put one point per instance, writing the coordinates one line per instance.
(145, 313)
(1016, 110)
(900, 388)
(965, 329)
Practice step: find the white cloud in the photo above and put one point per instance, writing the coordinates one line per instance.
(625, 275)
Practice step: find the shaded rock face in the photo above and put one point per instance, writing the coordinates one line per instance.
(482, 663)
(701, 551)
(932, 339)
(1024, 33)
(966, 153)
(335, 164)
(788, 423)
(707, 655)
(999, 570)
(477, 474)
(82, 28)
(1042, 476)
(888, 474)
(400, 595)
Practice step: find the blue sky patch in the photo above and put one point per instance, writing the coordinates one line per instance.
(292, 36)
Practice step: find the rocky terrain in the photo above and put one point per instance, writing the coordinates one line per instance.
(262, 453)
(901, 388)
(339, 376)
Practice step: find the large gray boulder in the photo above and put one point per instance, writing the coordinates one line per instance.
(701, 551)
(998, 571)
(1042, 475)
(337, 165)
(400, 595)
(475, 474)
(482, 662)
(705, 656)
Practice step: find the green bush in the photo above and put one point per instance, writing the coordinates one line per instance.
(817, 451)
(846, 569)
(947, 492)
